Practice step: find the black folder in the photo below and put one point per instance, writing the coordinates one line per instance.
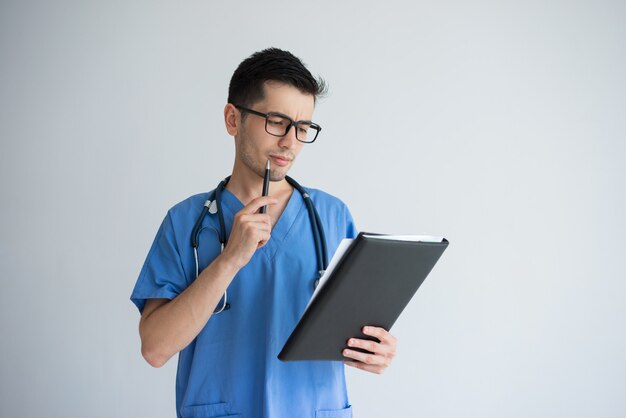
(370, 285)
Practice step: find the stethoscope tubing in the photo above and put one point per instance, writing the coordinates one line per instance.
(319, 237)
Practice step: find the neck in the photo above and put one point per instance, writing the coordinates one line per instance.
(247, 185)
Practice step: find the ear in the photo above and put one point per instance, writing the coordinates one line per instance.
(231, 119)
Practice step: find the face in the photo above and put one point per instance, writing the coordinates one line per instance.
(254, 146)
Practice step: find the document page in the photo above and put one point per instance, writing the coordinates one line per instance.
(413, 238)
(341, 249)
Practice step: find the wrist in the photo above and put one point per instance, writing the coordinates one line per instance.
(226, 264)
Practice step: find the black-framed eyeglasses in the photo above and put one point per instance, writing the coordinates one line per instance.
(277, 124)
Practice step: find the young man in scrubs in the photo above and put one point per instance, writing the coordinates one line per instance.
(227, 363)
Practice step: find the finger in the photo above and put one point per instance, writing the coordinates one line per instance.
(254, 222)
(254, 217)
(255, 204)
(260, 234)
(262, 243)
(373, 359)
(246, 233)
(370, 346)
(382, 334)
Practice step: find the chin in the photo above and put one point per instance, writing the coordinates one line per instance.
(278, 175)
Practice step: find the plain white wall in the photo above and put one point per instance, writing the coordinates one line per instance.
(498, 124)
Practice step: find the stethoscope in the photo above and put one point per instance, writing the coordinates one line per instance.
(213, 205)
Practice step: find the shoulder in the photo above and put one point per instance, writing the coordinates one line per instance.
(322, 198)
(329, 204)
(191, 202)
(335, 215)
(188, 208)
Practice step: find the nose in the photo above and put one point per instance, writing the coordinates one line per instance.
(289, 140)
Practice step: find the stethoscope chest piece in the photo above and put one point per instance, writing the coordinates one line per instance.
(213, 207)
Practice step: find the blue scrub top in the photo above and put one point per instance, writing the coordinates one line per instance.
(231, 368)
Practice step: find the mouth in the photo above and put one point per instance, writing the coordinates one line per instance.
(281, 161)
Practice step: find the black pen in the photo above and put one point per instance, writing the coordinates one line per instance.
(266, 185)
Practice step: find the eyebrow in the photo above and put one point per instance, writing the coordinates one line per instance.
(289, 117)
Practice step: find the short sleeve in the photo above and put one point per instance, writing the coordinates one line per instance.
(162, 275)
(351, 231)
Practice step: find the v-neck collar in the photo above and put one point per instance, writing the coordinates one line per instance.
(283, 224)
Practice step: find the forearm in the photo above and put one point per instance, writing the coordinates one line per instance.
(172, 326)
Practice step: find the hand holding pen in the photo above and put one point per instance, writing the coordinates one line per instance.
(250, 231)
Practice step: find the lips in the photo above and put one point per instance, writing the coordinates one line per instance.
(280, 161)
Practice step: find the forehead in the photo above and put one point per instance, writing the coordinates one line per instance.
(284, 98)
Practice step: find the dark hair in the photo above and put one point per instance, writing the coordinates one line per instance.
(271, 64)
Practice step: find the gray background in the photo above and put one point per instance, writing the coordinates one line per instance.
(498, 124)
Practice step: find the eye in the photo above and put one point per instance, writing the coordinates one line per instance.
(304, 127)
(276, 121)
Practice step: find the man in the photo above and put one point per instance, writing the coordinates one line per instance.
(229, 312)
